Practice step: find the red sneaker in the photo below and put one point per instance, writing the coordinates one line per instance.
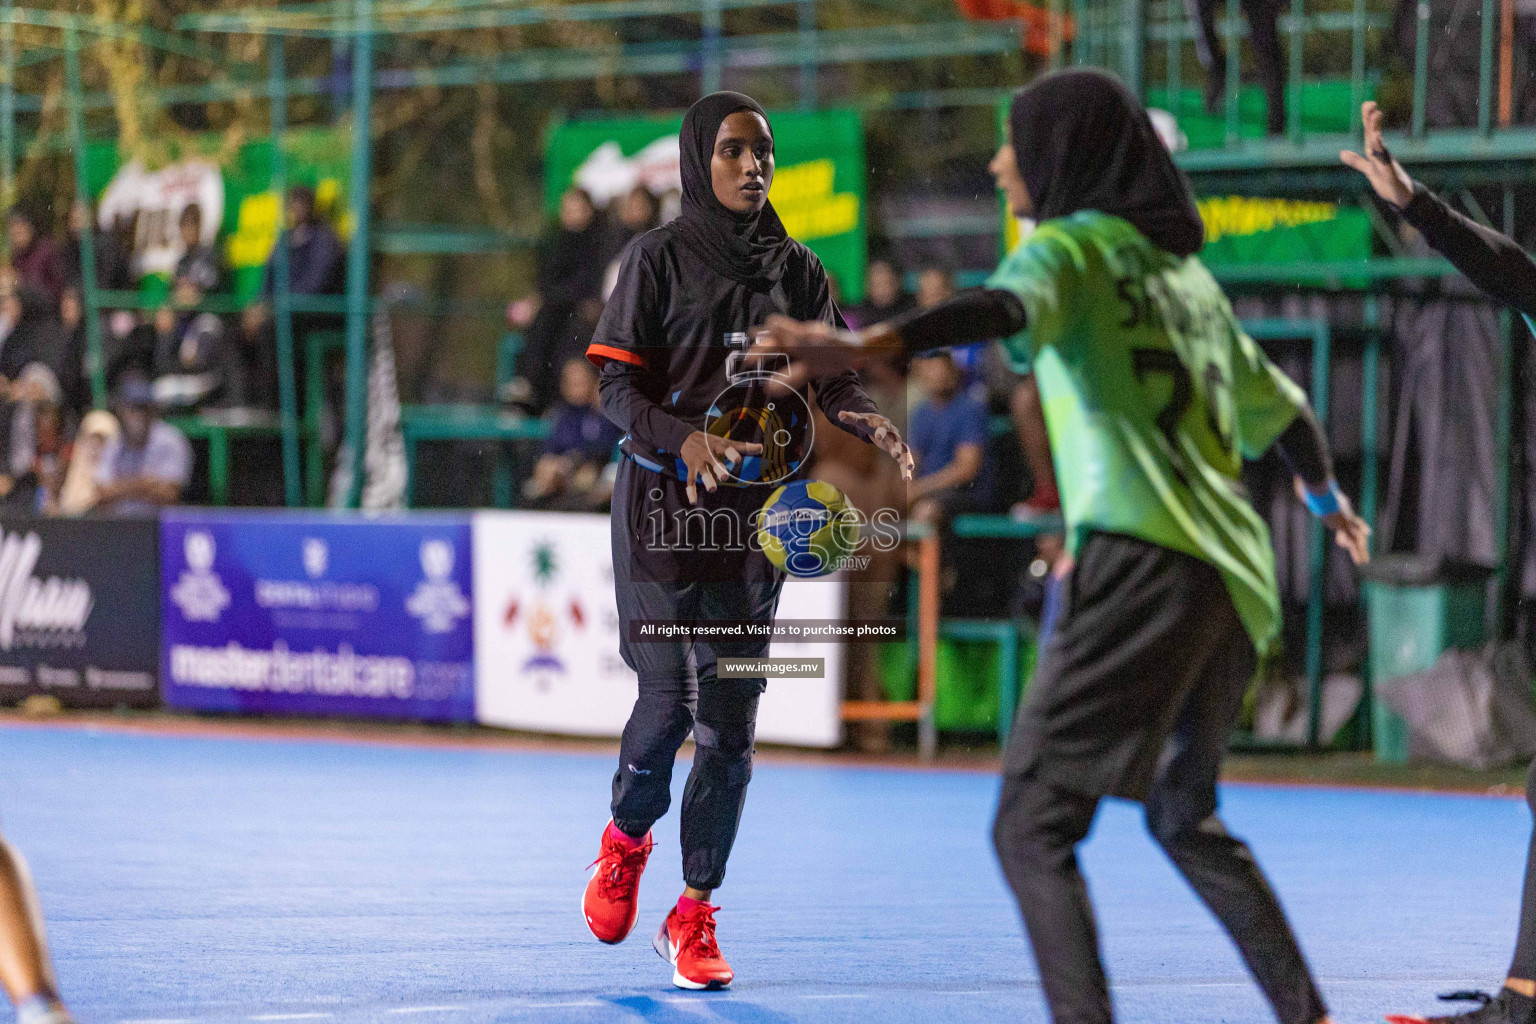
(611, 902)
(688, 944)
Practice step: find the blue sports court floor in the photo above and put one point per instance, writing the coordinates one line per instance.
(202, 879)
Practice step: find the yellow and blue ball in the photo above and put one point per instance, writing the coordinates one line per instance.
(807, 528)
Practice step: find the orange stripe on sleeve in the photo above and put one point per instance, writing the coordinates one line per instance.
(597, 353)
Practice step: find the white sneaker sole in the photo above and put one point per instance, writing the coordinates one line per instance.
(668, 952)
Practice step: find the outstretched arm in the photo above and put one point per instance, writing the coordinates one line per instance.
(817, 348)
(1489, 260)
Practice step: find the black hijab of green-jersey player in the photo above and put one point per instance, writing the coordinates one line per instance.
(1084, 142)
(749, 249)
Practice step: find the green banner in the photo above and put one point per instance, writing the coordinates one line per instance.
(818, 181)
(248, 223)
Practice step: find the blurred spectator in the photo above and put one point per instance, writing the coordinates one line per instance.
(148, 464)
(199, 265)
(29, 331)
(934, 285)
(1263, 34)
(316, 266)
(316, 257)
(885, 295)
(74, 371)
(196, 363)
(638, 211)
(34, 256)
(948, 436)
(569, 473)
(559, 317)
(113, 250)
(37, 442)
(98, 430)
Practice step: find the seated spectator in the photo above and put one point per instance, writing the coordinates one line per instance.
(199, 266)
(147, 466)
(885, 295)
(948, 435)
(74, 369)
(316, 257)
(317, 265)
(29, 331)
(98, 430)
(113, 250)
(934, 285)
(37, 441)
(637, 212)
(195, 363)
(569, 473)
(34, 256)
(559, 317)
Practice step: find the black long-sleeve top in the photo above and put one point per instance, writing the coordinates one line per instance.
(661, 341)
(1489, 260)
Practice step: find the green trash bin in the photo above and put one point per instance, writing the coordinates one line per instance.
(1417, 609)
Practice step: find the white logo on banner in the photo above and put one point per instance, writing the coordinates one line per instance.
(317, 557)
(199, 592)
(437, 600)
(29, 604)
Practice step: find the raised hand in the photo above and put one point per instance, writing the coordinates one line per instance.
(1385, 174)
(705, 457)
(885, 436)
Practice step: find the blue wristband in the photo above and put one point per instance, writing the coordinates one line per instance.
(1327, 503)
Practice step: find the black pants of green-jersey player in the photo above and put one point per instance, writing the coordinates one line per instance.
(1135, 698)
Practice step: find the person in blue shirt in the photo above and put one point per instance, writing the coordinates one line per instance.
(581, 441)
(948, 437)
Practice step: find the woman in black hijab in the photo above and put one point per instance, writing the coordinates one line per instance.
(1153, 397)
(670, 343)
(572, 259)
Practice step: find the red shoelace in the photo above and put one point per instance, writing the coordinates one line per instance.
(699, 932)
(621, 872)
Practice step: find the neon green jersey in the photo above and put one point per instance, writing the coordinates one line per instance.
(1153, 396)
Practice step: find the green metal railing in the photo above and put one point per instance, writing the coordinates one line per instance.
(1132, 36)
(367, 27)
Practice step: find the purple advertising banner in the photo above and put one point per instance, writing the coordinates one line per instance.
(318, 614)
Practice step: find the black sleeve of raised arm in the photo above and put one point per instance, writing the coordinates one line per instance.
(976, 314)
(1489, 260)
(1304, 447)
(628, 408)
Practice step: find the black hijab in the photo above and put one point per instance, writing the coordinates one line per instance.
(571, 263)
(750, 250)
(1083, 142)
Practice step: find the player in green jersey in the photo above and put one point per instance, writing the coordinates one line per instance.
(1153, 396)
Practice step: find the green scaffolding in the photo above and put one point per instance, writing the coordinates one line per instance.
(1142, 40)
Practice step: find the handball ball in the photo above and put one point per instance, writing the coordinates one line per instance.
(807, 528)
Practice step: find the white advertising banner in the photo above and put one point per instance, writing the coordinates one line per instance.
(547, 636)
(158, 199)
